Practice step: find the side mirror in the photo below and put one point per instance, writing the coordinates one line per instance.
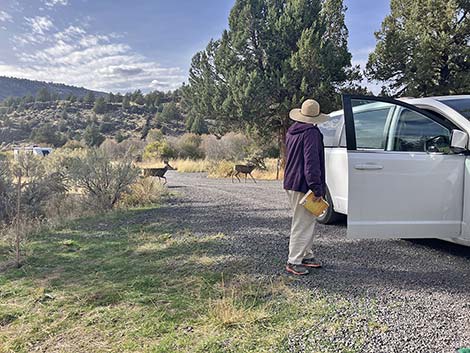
(459, 140)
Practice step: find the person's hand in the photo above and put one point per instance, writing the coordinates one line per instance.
(317, 198)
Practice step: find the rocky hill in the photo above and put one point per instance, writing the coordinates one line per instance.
(56, 122)
(16, 87)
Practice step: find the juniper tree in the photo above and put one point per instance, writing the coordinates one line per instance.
(275, 54)
(422, 48)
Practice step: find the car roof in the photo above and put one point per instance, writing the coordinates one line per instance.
(369, 106)
(412, 100)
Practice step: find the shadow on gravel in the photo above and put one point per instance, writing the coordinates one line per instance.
(444, 247)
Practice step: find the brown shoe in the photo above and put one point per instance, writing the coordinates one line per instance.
(312, 263)
(298, 270)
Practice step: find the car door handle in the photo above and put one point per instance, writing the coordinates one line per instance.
(368, 166)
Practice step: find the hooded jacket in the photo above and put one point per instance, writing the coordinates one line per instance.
(305, 164)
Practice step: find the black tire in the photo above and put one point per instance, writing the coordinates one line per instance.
(330, 216)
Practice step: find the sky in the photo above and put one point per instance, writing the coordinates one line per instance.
(123, 45)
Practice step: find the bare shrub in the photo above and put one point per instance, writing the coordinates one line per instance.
(102, 180)
(39, 184)
(129, 147)
(144, 192)
(189, 147)
(73, 145)
(6, 192)
(232, 147)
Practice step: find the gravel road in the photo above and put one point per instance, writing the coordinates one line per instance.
(421, 289)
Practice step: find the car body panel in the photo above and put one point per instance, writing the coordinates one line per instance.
(413, 195)
(451, 221)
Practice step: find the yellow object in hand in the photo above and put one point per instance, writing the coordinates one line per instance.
(315, 207)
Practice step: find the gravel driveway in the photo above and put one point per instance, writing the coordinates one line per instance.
(421, 289)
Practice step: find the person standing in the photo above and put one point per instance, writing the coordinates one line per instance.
(304, 171)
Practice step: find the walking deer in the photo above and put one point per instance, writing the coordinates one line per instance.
(158, 172)
(248, 168)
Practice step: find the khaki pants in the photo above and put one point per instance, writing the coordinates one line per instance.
(303, 226)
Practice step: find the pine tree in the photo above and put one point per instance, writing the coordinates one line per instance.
(275, 54)
(43, 95)
(422, 48)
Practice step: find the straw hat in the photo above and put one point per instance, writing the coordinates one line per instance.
(309, 113)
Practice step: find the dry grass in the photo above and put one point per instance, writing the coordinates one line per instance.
(124, 282)
(270, 173)
(224, 169)
(216, 169)
(144, 192)
(182, 165)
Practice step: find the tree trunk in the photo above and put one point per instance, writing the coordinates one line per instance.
(18, 224)
(282, 144)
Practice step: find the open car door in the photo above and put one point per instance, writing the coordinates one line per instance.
(404, 179)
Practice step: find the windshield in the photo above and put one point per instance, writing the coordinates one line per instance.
(460, 105)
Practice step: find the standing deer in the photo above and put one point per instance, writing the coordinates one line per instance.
(158, 172)
(248, 168)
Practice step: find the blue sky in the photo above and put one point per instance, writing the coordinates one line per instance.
(121, 45)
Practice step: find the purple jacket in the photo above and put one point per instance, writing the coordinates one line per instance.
(305, 164)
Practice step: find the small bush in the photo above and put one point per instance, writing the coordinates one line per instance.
(6, 192)
(154, 135)
(144, 192)
(127, 148)
(159, 150)
(92, 135)
(102, 180)
(230, 147)
(189, 147)
(73, 145)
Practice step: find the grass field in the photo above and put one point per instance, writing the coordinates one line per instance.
(125, 282)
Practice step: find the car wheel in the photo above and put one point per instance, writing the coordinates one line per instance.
(329, 216)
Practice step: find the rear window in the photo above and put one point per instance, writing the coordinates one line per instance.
(460, 105)
(331, 130)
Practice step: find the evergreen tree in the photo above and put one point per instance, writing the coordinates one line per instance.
(118, 97)
(423, 48)
(100, 106)
(71, 98)
(275, 54)
(137, 97)
(92, 136)
(170, 113)
(43, 95)
(126, 103)
(48, 134)
(89, 98)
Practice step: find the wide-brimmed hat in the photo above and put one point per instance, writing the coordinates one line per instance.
(309, 113)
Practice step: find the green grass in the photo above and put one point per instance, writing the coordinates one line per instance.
(128, 283)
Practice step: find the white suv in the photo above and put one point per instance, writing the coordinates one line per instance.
(400, 168)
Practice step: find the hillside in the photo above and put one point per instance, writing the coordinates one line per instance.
(17, 87)
(55, 122)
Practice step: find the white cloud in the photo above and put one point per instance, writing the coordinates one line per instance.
(5, 17)
(52, 3)
(39, 24)
(102, 62)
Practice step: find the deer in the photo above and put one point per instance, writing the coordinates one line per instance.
(248, 168)
(158, 172)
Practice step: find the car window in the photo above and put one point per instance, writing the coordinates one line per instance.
(460, 105)
(370, 127)
(331, 130)
(414, 132)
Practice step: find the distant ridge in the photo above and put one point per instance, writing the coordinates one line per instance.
(19, 87)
